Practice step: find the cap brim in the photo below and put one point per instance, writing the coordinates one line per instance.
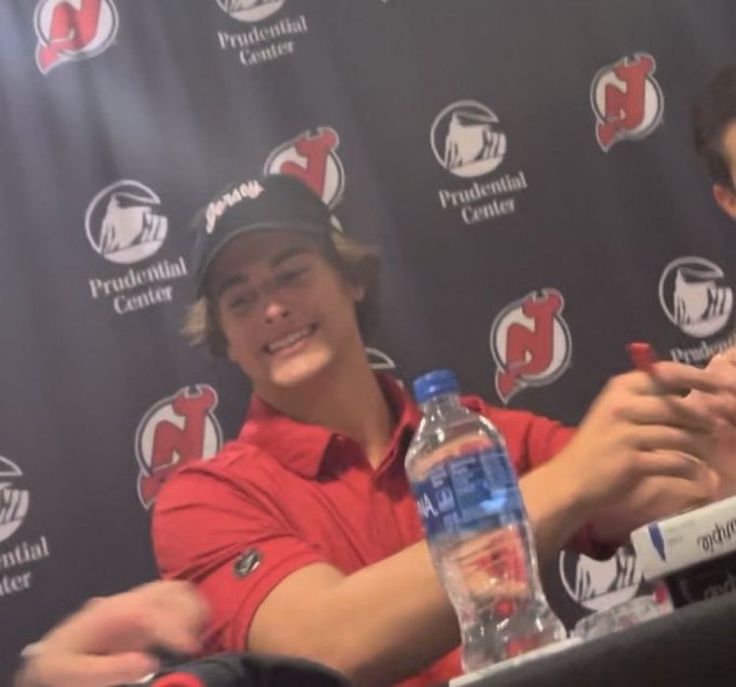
(298, 227)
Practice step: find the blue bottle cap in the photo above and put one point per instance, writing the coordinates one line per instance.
(435, 383)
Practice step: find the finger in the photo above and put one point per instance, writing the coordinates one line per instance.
(658, 494)
(183, 599)
(669, 378)
(682, 378)
(168, 635)
(166, 614)
(68, 670)
(103, 625)
(665, 438)
(672, 465)
(727, 357)
(179, 606)
(720, 406)
(672, 411)
(139, 630)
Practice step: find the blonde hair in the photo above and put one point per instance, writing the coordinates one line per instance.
(356, 262)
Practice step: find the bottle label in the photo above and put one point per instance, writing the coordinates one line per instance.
(469, 493)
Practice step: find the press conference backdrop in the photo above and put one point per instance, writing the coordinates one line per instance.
(524, 166)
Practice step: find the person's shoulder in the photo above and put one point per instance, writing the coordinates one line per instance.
(237, 464)
(501, 415)
(236, 457)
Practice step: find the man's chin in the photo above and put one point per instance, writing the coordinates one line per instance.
(300, 370)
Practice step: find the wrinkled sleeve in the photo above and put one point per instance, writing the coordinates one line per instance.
(230, 543)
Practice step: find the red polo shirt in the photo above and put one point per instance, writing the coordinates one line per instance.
(299, 494)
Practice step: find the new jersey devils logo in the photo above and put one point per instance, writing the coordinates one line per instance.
(73, 30)
(530, 342)
(175, 430)
(312, 157)
(627, 100)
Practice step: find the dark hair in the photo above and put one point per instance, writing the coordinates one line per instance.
(354, 261)
(714, 109)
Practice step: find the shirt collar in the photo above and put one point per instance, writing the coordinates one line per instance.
(301, 447)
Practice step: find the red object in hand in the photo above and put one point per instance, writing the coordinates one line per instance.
(178, 680)
(642, 355)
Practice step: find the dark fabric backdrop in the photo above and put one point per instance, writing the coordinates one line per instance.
(119, 118)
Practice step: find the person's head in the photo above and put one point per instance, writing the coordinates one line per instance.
(714, 135)
(280, 290)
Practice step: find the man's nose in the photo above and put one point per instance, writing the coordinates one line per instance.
(274, 309)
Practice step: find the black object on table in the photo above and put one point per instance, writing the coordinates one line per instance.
(248, 670)
(694, 646)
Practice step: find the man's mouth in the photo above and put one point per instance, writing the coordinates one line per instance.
(290, 339)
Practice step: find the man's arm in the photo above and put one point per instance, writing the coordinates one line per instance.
(632, 455)
(107, 641)
(376, 626)
(393, 618)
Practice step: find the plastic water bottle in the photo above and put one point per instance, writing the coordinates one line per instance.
(477, 528)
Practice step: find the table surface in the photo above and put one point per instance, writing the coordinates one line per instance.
(694, 646)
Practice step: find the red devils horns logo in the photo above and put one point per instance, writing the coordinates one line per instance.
(530, 343)
(627, 100)
(313, 159)
(76, 30)
(175, 430)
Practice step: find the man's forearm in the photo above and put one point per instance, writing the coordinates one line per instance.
(418, 624)
(556, 510)
(379, 625)
(393, 618)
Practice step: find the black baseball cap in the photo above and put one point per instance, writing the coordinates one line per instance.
(278, 201)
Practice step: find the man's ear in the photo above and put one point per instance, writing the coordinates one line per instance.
(726, 199)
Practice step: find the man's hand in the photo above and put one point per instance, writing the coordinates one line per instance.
(722, 406)
(107, 640)
(641, 450)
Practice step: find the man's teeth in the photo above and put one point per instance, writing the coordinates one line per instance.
(289, 340)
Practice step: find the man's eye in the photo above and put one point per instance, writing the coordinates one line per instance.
(291, 276)
(241, 300)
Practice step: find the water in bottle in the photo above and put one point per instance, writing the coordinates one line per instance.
(477, 528)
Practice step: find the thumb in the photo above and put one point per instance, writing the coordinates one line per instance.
(94, 671)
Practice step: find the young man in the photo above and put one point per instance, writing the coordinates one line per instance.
(302, 533)
(714, 133)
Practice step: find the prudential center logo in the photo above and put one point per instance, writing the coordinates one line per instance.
(694, 296)
(250, 10)
(14, 501)
(467, 140)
